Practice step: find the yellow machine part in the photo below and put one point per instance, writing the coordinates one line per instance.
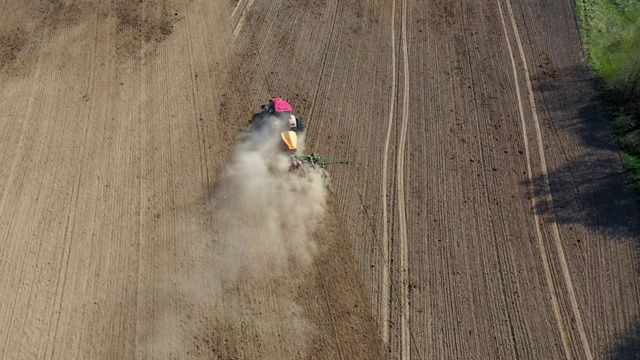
(290, 139)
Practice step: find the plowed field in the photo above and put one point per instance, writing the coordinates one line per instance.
(484, 213)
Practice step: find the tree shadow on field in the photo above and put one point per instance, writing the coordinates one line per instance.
(576, 91)
(593, 192)
(629, 346)
(591, 189)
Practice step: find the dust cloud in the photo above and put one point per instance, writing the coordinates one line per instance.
(239, 280)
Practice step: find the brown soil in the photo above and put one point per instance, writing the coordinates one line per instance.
(484, 213)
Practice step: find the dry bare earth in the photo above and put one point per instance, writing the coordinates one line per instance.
(444, 238)
(509, 229)
(117, 119)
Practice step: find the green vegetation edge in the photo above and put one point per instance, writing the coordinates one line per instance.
(610, 32)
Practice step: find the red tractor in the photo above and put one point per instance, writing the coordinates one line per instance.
(276, 119)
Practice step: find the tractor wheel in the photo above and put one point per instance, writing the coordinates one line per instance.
(299, 124)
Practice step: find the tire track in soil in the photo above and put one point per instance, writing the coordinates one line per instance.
(385, 170)
(545, 262)
(402, 211)
(243, 16)
(400, 157)
(547, 188)
(235, 8)
(547, 197)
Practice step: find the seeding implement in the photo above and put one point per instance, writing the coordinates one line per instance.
(267, 124)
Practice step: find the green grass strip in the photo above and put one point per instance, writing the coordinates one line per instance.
(610, 31)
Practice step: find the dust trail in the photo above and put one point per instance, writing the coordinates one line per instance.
(265, 215)
(239, 278)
